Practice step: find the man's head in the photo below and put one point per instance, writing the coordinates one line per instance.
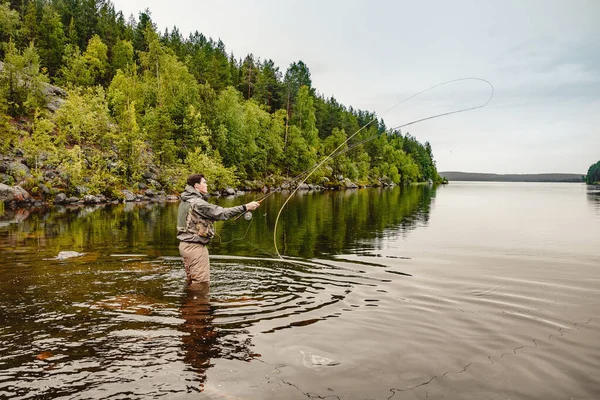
(198, 182)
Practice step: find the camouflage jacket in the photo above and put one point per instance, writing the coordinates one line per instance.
(196, 216)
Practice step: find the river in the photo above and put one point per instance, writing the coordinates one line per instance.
(471, 290)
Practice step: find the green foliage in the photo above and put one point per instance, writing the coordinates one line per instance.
(9, 23)
(84, 118)
(85, 69)
(132, 151)
(72, 167)
(39, 148)
(593, 174)
(122, 56)
(21, 82)
(51, 39)
(215, 173)
(138, 99)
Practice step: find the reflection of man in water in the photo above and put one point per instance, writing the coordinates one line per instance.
(202, 340)
(195, 229)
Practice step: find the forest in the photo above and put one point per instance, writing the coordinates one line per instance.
(92, 101)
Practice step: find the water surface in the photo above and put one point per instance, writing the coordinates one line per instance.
(471, 290)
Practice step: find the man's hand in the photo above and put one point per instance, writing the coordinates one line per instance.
(253, 205)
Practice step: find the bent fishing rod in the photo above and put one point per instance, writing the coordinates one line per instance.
(339, 150)
(336, 152)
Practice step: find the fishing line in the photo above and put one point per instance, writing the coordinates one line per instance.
(334, 153)
(234, 239)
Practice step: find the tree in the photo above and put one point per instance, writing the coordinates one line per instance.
(249, 77)
(51, 40)
(593, 174)
(21, 82)
(9, 24)
(269, 88)
(122, 56)
(96, 59)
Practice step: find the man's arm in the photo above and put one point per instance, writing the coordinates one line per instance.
(218, 213)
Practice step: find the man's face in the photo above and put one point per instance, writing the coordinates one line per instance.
(202, 187)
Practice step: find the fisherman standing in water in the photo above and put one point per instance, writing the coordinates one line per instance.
(195, 229)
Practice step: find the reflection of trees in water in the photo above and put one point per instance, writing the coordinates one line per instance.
(593, 196)
(203, 340)
(89, 227)
(332, 222)
(313, 223)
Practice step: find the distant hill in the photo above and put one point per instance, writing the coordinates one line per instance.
(475, 176)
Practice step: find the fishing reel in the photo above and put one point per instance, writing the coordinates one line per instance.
(247, 215)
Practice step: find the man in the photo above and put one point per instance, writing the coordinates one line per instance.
(195, 228)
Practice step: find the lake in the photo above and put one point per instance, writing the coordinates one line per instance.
(472, 290)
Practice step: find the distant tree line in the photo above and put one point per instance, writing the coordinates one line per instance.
(141, 100)
(477, 176)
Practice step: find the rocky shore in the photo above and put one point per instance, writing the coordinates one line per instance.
(20, 188)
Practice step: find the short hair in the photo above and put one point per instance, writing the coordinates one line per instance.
(195, 178)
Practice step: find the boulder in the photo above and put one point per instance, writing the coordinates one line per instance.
(16, 194)
(6, 179)
(349, 184)
(18, 170)
(55, 96)
(90, 199)
(45, 190)
(64, 255)
(149, 176)
(128, 195)
(60, 198)
(154, 183)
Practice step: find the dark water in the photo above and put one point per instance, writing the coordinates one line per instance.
(470, 291)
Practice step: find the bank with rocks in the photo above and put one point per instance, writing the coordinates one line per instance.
(22, 187)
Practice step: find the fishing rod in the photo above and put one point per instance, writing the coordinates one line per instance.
(335, 153)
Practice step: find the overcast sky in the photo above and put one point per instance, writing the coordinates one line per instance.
(542, 57)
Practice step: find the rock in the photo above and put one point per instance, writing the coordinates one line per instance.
(18, 170)
(229, 192)
(149, 176)
(64, 255)
(19, 152)
(172, 198)
(349, 184)
(142, 186)
(90, 199)
(6, 179)
(55, 96)
(150, 193)
(15, 194)
(60, 198)
(128, 195)
(81, 190)
(240, 193)
(154, 183)
(45, 190)
(72, 200)
(304, 186)
(49, 175)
